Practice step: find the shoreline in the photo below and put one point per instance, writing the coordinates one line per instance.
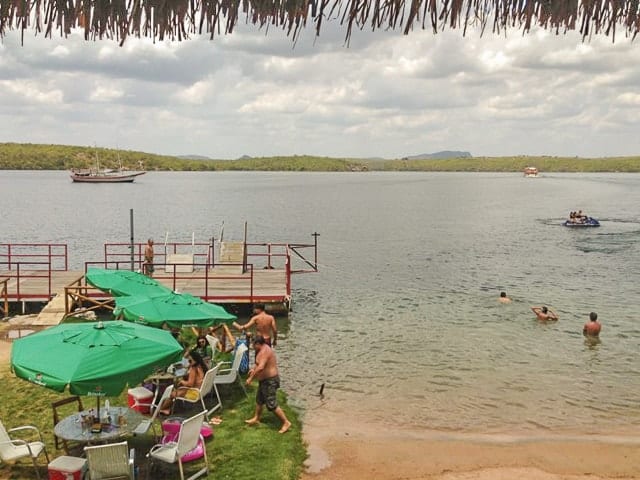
(340, 447)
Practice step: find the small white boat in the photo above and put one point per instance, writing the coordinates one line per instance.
(530, 172)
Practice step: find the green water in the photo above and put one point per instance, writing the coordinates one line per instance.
(403, 317)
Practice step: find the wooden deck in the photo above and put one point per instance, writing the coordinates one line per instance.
(222, 284)
(242, 274)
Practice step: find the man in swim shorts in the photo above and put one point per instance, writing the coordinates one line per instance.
(266, 371)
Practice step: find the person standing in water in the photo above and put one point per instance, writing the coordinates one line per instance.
(592, 327)
(543, 313)
(503, 298)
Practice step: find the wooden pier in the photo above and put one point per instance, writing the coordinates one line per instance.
(245, 273)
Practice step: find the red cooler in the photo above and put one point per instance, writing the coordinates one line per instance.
(140, 399)
(67, 468)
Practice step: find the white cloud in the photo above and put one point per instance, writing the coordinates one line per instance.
(106, 93)
(387, 94)
(33, 92)
(629, 99)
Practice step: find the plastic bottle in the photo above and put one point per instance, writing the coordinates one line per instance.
(107, 416)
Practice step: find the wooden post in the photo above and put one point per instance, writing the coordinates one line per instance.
(5, 297)
(131, 245)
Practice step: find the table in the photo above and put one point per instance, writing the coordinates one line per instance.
(70, 428)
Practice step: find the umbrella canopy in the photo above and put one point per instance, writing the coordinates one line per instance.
(94, 359)
(174, 309)
(125, 282)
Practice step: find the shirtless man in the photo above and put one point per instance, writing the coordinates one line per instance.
(266, 371)
(592, 327)
(544, 313)
(503, 298)
(265, 325)
(147, 265)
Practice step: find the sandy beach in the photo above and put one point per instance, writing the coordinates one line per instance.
(341, 449)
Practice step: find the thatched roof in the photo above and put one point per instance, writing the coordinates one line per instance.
(177, 19)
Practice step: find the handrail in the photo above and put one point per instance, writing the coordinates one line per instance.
(22, 272)
(56, 255)
(113, 252)
(201, 271)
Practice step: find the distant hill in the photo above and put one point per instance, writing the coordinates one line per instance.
(193, 157)
(439, 155)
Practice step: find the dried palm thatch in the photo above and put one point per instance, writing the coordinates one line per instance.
(177, 19)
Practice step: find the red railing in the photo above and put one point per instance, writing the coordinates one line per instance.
(120, 253)
(55, 255)
(173, 278)
(24, 261)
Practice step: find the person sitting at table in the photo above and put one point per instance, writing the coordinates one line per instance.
(203, 348)
(193, 379)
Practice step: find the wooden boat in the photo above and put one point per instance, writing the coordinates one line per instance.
(530, 172)
(105, 176)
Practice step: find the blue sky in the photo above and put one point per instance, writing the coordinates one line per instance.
(385, 95)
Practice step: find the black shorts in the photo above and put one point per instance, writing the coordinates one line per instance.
(266, 395)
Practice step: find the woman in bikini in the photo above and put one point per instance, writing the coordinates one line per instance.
(193, 379)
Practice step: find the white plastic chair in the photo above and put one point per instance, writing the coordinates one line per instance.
(14, 449)
(208, 385)
(213, 343)
(110, 461)
(147, 423)
(188, 439)
(231, 375)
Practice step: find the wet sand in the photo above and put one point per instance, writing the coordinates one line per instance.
(342, 449)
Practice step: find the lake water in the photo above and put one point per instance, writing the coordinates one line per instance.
(402, 320)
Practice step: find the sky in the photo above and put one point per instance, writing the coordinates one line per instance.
(384, 94)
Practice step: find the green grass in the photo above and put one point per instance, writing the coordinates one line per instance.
(236, 450)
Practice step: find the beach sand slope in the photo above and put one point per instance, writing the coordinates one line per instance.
(350, 452)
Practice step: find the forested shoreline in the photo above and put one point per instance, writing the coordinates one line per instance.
(20, 156)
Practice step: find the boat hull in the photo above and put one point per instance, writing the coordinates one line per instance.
(105, 178)
(591, 222)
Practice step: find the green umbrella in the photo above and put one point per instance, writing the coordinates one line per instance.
(94, 359)
(125, 282)
(174, 309)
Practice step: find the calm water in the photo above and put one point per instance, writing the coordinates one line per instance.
(403, 318)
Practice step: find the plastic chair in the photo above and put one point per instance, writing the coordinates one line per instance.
(231, 375)
(198, 394)
(147, 423)
(213, 343)
(14, 448)
(188, 439)
(110, 461)
(61, 442)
